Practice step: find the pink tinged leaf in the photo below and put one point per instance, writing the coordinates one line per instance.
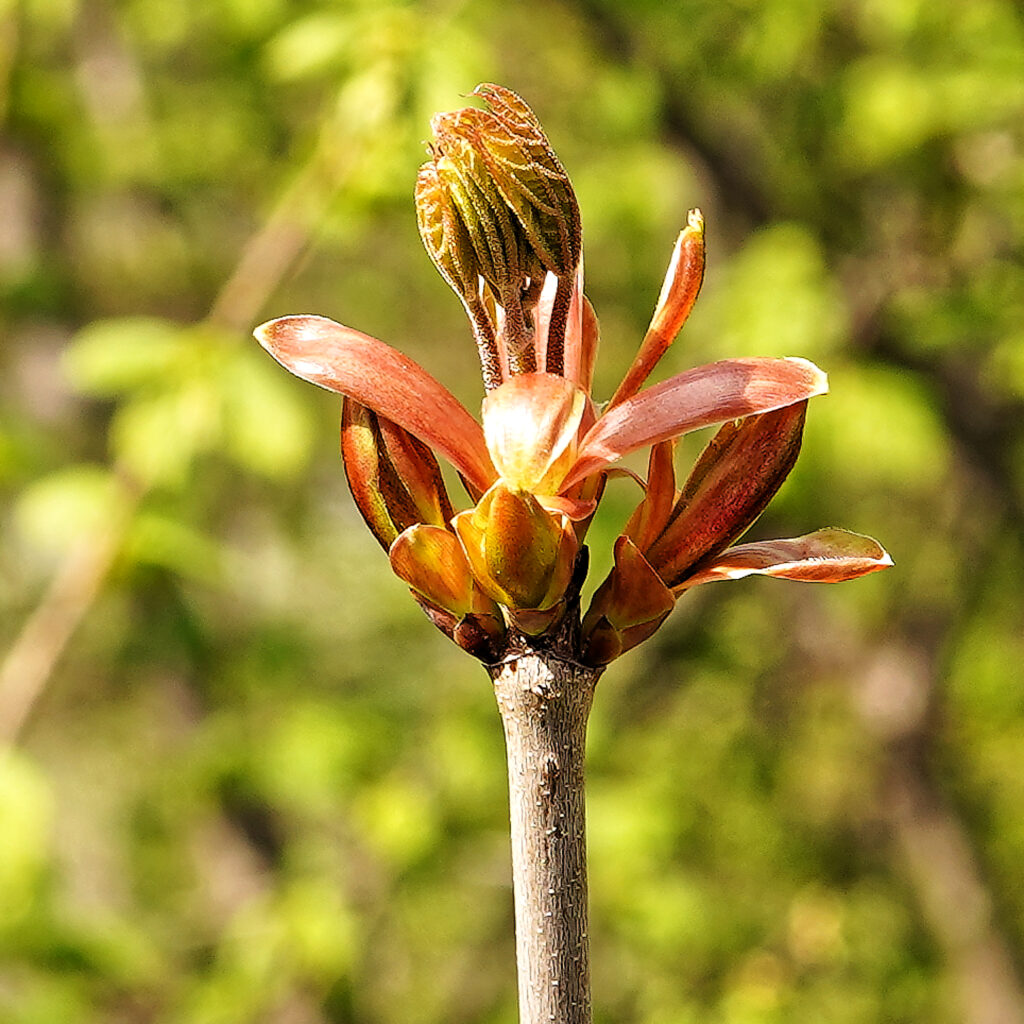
(737, 475)
(827, 556)
(430, 559)
(678, 294)
(703, 397)
(530, 424)
(652, 514)
(343, 360)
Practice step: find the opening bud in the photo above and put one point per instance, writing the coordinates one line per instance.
(394, 478)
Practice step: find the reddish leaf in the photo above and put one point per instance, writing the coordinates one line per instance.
(701, 397)
(343, 360)
(678, 294)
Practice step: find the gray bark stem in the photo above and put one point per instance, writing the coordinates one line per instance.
(544, 703)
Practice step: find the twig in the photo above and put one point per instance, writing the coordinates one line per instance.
(544, 703)
(32, 658)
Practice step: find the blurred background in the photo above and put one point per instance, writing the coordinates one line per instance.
(242, 779)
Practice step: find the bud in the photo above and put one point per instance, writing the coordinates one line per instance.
(394, 478)
(495, 173)
(521, 555)
(449, 245)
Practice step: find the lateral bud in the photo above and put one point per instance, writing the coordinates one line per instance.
(394, 478)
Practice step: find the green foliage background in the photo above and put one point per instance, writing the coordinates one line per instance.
(257, 785)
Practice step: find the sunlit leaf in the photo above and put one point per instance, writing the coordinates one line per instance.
(60, 509)
(157, 437)
(268, 428)
(110, 357)
(26, 821)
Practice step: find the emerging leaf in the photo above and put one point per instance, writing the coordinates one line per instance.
(449, 245)
(498, 205)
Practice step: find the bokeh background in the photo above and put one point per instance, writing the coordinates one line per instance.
(242, 779)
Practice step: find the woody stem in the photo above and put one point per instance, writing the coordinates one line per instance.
(544, 703)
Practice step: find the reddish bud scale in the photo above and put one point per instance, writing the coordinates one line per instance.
(627, 608)
(825, 556)
(736, 476)
(394, 478)
(652, 514)
(678, 294)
